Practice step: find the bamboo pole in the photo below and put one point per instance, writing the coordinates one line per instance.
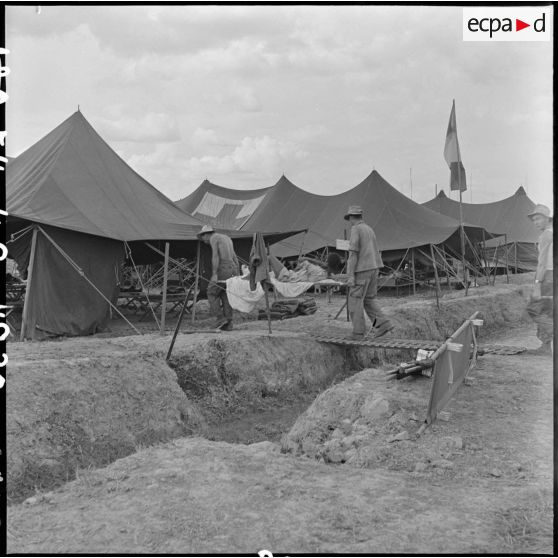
(196, 281)
(25, 317)
(165, 281)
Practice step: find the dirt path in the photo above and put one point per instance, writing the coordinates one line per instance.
(199, 496)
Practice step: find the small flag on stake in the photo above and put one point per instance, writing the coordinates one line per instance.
(452, 155)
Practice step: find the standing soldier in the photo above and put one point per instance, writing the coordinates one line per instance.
(363, 268)
(540, 306)
(224, 264)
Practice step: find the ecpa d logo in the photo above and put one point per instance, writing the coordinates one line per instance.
(507, 23)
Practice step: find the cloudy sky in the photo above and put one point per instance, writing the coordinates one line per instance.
(323, 94)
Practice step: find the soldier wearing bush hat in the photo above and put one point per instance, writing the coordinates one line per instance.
(224, 264)
(363, 268)
(540, 306)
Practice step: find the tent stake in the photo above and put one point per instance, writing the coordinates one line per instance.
(25, 317)
(165, 280)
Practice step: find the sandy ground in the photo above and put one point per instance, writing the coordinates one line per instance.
(490, 493)
(197, 496)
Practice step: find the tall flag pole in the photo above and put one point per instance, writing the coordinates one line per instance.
(458, 178)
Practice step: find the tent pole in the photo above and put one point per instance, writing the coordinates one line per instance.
(447, 266)
(165, 280)
(435, 277)
(300, 253)
(178, 322)
(496, 257)
(462, 231)
(25, 317)
(515, 250)
(413, 265)
(507, 269)
(484, 258)
(265, 285)
(196, 282)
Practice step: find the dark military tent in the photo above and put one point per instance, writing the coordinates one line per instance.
(509, 217)
(74, 205)
(399, 222)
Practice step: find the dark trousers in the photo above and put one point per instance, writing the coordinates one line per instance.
(217, 295)
(541, 310)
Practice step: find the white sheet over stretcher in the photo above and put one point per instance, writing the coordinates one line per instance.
(289, 290)
(241, 298)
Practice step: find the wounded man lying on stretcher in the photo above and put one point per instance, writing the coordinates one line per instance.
(307, 269)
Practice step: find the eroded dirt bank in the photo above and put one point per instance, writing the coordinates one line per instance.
(84, 402)
(480, 483)
(78, 412)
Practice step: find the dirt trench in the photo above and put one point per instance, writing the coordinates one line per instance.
(251, 387)
(82, 403)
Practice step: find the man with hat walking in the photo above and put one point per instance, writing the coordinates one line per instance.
(224, 264)
(540, 306)
(363, 268)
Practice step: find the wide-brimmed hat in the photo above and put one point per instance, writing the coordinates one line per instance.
(205, 229)
(355, 210)
(540, 209)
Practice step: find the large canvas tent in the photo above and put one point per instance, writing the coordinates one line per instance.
(399, 222)
(74, 206)
(222, 207)
(509, 216)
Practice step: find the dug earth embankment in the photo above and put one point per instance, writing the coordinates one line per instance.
(82, 403)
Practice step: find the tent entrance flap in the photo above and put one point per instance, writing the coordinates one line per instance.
(58, 302)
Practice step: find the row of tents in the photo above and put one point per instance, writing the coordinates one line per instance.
(399, 222)
(77, 212)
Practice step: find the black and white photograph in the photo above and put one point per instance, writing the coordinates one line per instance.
(278, 279)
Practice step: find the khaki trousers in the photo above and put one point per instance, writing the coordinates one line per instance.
(362, 299)
(540, 310)
(217, 296)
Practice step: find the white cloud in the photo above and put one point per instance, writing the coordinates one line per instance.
(323, 93)
(203, 137)
(151, 127)
(170, 168)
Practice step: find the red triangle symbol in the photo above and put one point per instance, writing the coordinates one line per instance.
(519, 25)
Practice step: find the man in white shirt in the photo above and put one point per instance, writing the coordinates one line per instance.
(540, 306)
